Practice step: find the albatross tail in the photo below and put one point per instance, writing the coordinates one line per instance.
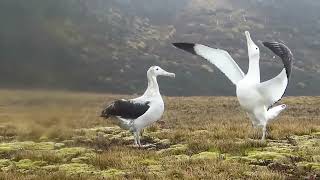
(275, 111)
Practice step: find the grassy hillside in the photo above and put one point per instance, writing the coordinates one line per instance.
(58, 135)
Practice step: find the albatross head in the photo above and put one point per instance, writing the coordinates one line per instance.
(253, 49)
(158, 71)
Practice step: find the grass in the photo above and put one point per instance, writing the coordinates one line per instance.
(58, 135)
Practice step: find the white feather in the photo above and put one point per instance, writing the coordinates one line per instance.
(273, 89)
(222, 60)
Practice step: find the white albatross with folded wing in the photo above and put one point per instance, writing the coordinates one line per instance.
(136, 114)
(255, 97)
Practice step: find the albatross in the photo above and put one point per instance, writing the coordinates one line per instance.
(136, 114)
(255, 97)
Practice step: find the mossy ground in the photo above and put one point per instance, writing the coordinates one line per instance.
(58, 135)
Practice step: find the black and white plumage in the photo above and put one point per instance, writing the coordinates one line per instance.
(136, 114)
(255, 97)
(125, 109)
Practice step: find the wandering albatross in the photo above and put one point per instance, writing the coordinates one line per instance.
(255, 97)
(136, 114)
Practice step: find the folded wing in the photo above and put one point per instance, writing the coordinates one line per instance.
(274, 89)
(220, 58)
(125, 109)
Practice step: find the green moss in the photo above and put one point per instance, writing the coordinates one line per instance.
(27, 145)
(317, 134)
(112, 173)
(59, 145)
(206, 155)
(40, 146)
(27, 164)
(310, 165)
(106, 130)
(266, 155)
(6, 149)
(77, 168)
(4, 163)
(164, 141)
(83, 158)
(44, 138)
(85, 169)
(72, 152)
(50, 168)
(174, 150)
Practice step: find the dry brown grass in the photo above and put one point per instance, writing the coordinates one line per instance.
(32, 114)
(202, 123)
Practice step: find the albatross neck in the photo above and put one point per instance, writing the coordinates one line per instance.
(254, 69)
(153, 87)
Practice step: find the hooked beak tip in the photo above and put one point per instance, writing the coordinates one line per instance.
(247, 33)
(173, 75)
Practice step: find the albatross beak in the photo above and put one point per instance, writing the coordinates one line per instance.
(173, 75)
(249, 40)
(165, 73)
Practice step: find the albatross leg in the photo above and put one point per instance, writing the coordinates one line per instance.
(264, 129)
(135, 139)
(138, 138)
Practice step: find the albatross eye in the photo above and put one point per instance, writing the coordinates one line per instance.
(157, 69)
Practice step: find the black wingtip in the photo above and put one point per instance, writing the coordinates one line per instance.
(283, 52)
(189, 47)
(105, 113)
(266, 43)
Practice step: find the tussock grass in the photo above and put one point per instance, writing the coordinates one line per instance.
(194, 124)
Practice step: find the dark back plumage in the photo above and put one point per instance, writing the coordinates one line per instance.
(284, 53)
(125, 109)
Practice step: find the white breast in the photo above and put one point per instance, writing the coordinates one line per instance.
(153, 114)
(248, 96)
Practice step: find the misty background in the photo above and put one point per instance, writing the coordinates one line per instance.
(108, 45)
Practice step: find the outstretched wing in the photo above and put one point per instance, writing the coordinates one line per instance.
(220, 58)
(274, 89)
(284, 53)
(125, 109)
